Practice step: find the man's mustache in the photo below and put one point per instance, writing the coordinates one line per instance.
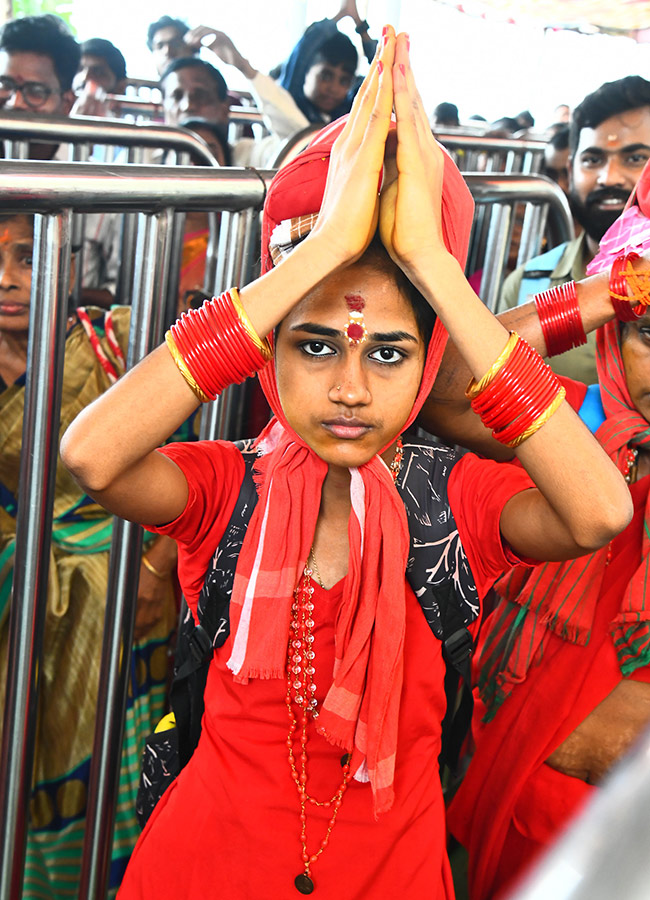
(602, 194)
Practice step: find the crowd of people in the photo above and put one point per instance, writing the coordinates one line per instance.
(354, 546)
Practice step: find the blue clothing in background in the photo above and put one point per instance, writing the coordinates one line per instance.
(292, 75)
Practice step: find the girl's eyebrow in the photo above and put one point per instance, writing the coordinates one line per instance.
(376, 337)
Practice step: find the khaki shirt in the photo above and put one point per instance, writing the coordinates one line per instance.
(579, 363)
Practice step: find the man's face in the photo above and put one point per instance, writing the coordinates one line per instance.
(168, 44)
(607, 165)
(16, 248)
(327, 86)
(97, 70)
(31, 83)
(190, 93)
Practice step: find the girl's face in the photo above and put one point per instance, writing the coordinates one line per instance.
(349, 400)
(635, 350)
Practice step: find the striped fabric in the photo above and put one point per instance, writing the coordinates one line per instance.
(561, 597)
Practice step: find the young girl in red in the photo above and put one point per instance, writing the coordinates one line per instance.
(317, 763)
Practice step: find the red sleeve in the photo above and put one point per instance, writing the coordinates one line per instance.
(575, 391)
(478, 491)
(214, 471)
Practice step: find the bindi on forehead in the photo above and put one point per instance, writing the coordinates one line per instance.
(355, 302)
(355, 330)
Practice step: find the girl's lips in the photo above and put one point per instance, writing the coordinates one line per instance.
(348, 430)
(13, 309)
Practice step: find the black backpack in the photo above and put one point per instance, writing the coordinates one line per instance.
(437, 570)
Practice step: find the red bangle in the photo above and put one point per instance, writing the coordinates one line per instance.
(217, 347)
(560, 318)
(520, 373)
(520, 398)
(618, 291)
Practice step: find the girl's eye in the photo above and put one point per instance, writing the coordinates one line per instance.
(316, 348)
(387, 355)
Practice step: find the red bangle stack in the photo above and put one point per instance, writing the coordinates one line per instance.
(216, 346)
(560, 318)
(520, 398)
(618, 290)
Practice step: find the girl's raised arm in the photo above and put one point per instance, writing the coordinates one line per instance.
(110, 447)
(582, 501)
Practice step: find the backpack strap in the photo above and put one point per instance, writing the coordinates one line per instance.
(439, 573)
(197, 641)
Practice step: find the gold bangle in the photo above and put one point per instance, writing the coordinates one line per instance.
(540, 420)
(474, 388)
(183, 369)
(154, 571)
(262, 345)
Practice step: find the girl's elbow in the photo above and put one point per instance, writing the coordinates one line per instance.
(83, 464)
(605, 523)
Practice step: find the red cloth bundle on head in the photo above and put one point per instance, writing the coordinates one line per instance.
(360, 712)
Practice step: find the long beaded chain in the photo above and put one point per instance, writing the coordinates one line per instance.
(301, 692)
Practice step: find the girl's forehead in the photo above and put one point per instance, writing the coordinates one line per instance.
(376, 298)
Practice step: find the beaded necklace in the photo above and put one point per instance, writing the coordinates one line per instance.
(301, 693)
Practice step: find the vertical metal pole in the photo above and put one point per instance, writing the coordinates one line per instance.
(212, 413)
(213, 249)
(80, 153)
(124, 293)
(177, 236)
(40, 440)
(151, 255)
(495, 254)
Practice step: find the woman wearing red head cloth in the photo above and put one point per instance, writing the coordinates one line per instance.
(329, 652)
(563, 664)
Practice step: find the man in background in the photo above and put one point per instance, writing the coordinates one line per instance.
(609, 144)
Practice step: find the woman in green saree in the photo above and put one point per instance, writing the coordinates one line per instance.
(81, 536)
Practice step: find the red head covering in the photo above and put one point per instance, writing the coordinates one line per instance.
(360, 712)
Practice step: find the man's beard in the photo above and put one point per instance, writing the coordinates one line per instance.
(596, 221)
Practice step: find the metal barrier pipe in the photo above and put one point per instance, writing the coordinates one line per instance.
(92, 130)
(496, 250)
(145, 332)
(80, 153)
(488, 144)
(43, 187)
(604, 852)
(46, 342)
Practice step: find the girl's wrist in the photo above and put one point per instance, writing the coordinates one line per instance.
(434, 274)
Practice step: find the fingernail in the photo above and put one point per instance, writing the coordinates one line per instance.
(380, 67)
(402, 69)
(384, 31)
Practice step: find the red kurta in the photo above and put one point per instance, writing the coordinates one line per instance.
(229, 825)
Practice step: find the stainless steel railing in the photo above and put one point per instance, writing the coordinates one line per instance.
(17, 129)
(496, 196)
(51, 191)
(474, 153)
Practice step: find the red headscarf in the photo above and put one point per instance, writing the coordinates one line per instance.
(360, 712)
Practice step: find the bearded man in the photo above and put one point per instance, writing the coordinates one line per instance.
(609, 145)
